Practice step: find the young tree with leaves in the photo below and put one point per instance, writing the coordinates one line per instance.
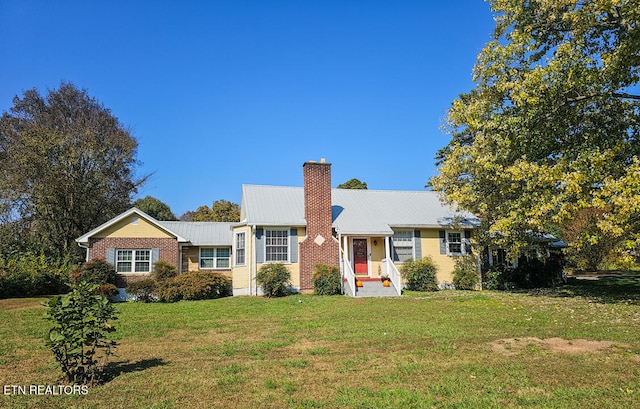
(220, 211)
(155, 208)
(553, 123)
(66, 165)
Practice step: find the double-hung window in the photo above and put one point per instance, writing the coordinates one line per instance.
(403, 246)
(240, 249)
(276, 245)
(214, 257)
(457, 243)
(133, 261)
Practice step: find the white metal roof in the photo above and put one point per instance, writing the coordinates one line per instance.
(354, 211)
(203, 233)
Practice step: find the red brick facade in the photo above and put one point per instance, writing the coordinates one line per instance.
(169, 251)
(319, 245)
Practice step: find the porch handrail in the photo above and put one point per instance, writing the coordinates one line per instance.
(348, 276)
(390, 269)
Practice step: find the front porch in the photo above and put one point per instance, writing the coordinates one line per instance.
(364, 261)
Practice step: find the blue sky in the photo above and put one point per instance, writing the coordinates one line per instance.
(221, 93)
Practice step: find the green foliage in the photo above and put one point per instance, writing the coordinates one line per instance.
(221, 211)
(499, 277)
(420, 275)
(81, 327)
(465, 273)
(95, 272)
(353, 184)
(29, 274)
(142, 290)
(590, 246)
(155, 208)
(327, 280)
(67, 165)
(107, 290)
(275, 279)
(193, 285)
(163, 270)
(532, 272)
(551, 126)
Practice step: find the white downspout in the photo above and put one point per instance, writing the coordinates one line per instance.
(253, 266)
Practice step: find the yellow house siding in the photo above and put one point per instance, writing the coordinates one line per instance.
(141, 228)
(430, 242)
(190, 258)
(240, 274)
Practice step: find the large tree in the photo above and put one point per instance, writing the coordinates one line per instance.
(66, 165)
(155, 208)
(220, 211)
(353, 184)
(552, 125)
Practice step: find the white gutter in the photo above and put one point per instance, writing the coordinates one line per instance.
(252, 267)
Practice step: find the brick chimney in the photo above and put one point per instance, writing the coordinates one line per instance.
(319, 245)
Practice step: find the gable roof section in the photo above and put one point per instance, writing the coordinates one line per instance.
(196, 233)
(84, 239)
(354, 211)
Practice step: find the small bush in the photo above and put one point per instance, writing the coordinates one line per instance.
(163, 270)
(94, 272)
(81, 327)
(142, 290)
(499, 277)
(327, 280)
(465, 273)
(193, 285)
(275, 279)
(107, 290)
(30, 274)
(420, 275)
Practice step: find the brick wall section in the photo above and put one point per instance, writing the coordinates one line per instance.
(317, 212)
(169, 251)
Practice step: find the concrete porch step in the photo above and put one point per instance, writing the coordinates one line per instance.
(375, 288)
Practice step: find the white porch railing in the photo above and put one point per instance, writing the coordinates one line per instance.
(348, 276)
(390, 269)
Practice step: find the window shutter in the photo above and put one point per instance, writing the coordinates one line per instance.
(417, 245)
(155, 256)
(293, 245)
(111, 256)
(443, 242)
(260, 245)
(467, 242)
(394, 253)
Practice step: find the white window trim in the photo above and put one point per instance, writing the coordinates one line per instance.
(236, 248)
(463, 243)
(287, 230)
(133, 261)
(413, 244)
(215, 258)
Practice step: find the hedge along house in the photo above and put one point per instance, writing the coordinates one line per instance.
(133, 241)
(366, 233)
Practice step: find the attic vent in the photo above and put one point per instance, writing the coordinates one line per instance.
(134, 220)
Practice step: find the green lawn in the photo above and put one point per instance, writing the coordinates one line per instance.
(575, 346)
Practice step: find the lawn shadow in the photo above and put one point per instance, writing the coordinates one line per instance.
(606, 290)
(114, 369)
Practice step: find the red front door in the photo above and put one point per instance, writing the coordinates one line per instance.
(360, 263)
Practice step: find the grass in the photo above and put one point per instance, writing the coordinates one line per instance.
(450, 349)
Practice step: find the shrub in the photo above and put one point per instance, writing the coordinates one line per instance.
(193, 285)
(29, 274)
(465, 273)
(163, 270)
(94, 272)
(499, 277)
(142, 290)
(327, 280)
(420, 275)
(107, 290)
(275, 279)
(81, 327)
